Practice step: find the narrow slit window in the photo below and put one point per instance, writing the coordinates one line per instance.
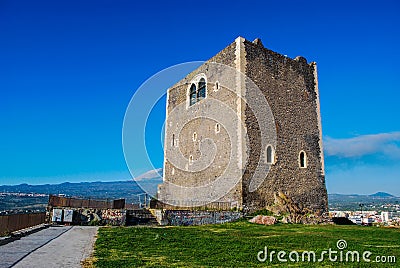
(303, 159)
(270, 157)
(217, 128)
(173, 140)
(194, 136)
(190, 159)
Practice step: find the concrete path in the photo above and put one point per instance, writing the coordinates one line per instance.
(63, 246)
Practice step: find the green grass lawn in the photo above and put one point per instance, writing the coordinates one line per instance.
(237, 245)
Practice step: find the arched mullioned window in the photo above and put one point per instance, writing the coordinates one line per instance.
(302, 159)
(193, 94)
(270, 155)
(201, 94)
(197, 91)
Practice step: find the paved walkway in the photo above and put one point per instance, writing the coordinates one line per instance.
(62, 246)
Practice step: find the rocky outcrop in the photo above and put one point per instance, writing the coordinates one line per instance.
(292, 212)
(266, 220)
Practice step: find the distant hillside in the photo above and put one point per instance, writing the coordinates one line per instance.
(353, 201)
(96, 190)
(360, 196)
(381, 194)
(130, 190)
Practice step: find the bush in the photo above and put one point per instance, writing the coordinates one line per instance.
(94, 223)
(263, 212)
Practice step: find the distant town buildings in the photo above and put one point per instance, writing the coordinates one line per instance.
(386, 214)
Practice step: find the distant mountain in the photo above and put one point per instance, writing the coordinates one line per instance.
(356, 201)
(381, 194)
(129, 190)
(378, 194)
(95, 190)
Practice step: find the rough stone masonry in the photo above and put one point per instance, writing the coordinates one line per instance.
(291, 158)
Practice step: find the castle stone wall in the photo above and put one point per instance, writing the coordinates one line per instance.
(204, 128)
(290, 89)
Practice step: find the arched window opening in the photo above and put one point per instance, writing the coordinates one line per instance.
(201, 94)
(270, 157)
(190, 159)
(198, 93)
(303, 159)
(192, 94)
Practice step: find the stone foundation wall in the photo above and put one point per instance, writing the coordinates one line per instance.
(89, 216)
(187, 217)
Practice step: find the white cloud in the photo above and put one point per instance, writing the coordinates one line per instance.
(382, 143)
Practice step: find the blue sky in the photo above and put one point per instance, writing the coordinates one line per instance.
(68, 70)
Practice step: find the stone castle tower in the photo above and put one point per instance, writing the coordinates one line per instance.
(243, 127)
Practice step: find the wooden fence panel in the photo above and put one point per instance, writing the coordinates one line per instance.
(60, 201)
(15, 222)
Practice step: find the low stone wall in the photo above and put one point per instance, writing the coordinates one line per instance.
(93, 216)
(189, 217)
(118, 217)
